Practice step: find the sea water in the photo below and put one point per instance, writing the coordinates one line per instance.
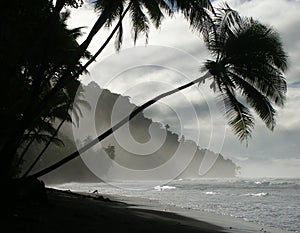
(267, 202)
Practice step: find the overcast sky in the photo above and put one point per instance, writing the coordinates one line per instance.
(173, 56)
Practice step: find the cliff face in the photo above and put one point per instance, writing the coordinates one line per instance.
(130, 157)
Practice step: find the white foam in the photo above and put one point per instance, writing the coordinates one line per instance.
(210, 193)
(165, 187)
(257, 194)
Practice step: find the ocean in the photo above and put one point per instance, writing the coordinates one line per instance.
(268, 202)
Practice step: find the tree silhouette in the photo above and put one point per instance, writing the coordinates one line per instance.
(29, 67)
(255, 72)
(67, 105)
(42, 64)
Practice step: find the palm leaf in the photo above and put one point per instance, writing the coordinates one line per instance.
(140, 22)
(257, 101)
(258, 63)
(119, 38)
(239, 116)
(111, 10)
(154, 11)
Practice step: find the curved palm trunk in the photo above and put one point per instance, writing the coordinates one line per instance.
(44, 149)
(117, 126)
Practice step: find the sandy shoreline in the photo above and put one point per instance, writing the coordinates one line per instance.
(73, 212)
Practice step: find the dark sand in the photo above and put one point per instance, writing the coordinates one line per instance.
(66, 211)
(72, 212)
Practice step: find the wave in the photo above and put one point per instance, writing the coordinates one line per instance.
(257, 194)
(262, 183)
(210, 193)
(165, 187)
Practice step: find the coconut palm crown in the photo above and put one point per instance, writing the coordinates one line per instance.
(247, 70)
(144, 12)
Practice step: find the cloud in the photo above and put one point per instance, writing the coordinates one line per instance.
(175, 35)
(284, 16)
(287, 162)
(295, 84)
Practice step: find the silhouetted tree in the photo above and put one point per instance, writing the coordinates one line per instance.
(68, 103)
(249, 61)
(30, 65)
(42, 64)
(110, 150)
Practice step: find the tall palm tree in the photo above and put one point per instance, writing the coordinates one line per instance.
(142, 13)
(249, 62)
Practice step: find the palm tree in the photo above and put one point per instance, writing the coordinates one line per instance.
(142, 13)
(29, 68)
(67, 101)
(250, 62)
(254, 72)
(196, 12)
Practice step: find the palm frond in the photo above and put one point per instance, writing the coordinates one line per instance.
(46, 126)
(154, 11)
(227, 21)
(269, 81)
(119, 38)
(112, 10)
(140, 22)
(239, 117)
(257, 101)
(166, 7)
(197, 13)
(261, 62)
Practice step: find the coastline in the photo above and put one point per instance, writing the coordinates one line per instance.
(67, 211)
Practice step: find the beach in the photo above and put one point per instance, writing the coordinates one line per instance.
(66, 211)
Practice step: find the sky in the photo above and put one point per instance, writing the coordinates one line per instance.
(173, 56)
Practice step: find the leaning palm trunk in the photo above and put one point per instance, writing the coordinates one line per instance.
(117, 126)
(45, 148)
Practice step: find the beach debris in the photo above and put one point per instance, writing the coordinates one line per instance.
(95, 191)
